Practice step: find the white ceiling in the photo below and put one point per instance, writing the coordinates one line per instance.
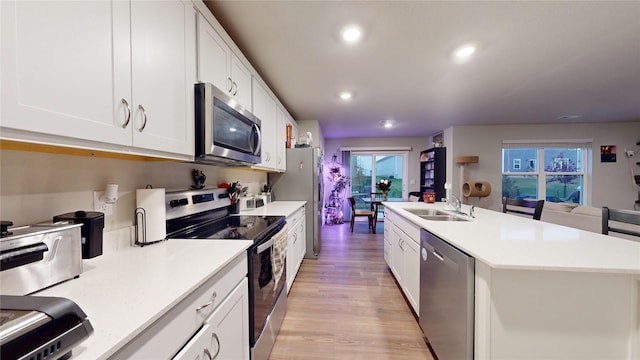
(536, 61)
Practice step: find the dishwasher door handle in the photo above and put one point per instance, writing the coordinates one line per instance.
(439, 256)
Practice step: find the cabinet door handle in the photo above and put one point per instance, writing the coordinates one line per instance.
(126, 123)
(215, 337)
(230, 84)
(208, 354)
(204, 306)
(235, 88)
(213, 298)
(144, 122)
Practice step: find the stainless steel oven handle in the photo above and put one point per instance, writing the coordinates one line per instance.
(265, 246)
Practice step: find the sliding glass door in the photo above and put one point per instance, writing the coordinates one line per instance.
(368, 168)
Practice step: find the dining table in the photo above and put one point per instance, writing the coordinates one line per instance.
(375, 203)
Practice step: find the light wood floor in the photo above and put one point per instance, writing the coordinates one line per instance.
(346, 304)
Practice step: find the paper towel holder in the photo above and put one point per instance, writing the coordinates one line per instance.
(141, 226)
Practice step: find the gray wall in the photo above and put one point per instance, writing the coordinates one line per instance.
(611, 182)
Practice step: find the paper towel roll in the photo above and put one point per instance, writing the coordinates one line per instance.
(151, 215)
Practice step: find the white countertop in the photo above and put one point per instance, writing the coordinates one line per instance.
(125, 291)
(276, 208)
(506, 241)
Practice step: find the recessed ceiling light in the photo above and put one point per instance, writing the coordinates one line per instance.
(568, 117)
(351, 34)
(345, 95)
(388, 123)
(464, 53)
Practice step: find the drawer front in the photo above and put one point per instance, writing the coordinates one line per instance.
(412, 230)
(167, 335)
(296, 216)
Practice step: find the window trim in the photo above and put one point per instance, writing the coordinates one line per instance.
(542, 174)
(405, 168)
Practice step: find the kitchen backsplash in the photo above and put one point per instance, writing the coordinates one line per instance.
(36, 186)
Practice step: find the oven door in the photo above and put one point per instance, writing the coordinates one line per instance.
(225, 131)
(266, 284)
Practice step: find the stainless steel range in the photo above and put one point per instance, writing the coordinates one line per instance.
(203, 214)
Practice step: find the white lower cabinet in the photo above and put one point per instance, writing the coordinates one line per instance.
(388, 247)
(296, 244)
(225, 334)
(402, 254)
(220, 306)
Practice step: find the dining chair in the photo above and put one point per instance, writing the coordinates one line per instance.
(620, 216)
(417, 194)
(362, 213)
(526, 207)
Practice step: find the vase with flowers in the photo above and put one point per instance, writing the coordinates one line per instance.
(384, 185)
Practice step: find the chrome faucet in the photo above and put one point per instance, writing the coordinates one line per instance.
(471, 211)
(457, 203)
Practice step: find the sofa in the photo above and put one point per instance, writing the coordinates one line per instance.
(582, 217)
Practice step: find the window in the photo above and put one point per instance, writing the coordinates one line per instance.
(368, 168)
(563, 177)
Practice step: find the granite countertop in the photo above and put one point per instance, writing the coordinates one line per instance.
(505, 241)
(125, 291)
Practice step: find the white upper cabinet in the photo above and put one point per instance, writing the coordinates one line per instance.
(218, 65)
(281, 140)
(241, 82)
(66, 68)
(163, 75)
(264, 107)
(99, 74)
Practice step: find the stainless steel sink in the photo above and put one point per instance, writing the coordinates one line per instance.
(443, 217)
(427, 212)
(437, 215)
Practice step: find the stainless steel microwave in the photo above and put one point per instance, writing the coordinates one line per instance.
(226, 133)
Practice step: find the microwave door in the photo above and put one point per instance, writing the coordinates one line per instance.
(230, 131)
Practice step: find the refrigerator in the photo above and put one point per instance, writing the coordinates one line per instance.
(303, 181)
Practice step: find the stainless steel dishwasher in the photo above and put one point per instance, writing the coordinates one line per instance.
(446, 298)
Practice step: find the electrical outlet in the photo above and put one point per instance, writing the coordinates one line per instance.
(100, 205)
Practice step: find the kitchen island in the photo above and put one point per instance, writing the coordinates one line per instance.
(127, 290)
(544, 291)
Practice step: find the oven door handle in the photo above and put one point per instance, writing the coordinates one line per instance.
(22, 256)
(264, 246)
